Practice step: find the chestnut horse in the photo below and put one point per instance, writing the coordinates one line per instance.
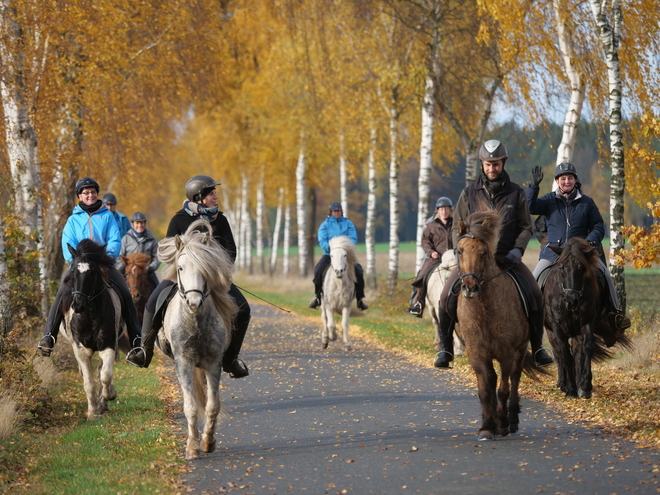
(137, 279)
(493, 324)
(576, 317)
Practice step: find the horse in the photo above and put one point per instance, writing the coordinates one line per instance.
(338, 289)
(434, 285)
(137, 279)
(194, 334)
(493, 324)
(576, 317)
(93, 322)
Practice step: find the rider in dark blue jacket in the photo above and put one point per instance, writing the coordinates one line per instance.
(570, 213)
(335, 225)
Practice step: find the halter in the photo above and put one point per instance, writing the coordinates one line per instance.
(183, 292)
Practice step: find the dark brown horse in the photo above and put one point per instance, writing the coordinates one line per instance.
(137, 279)
(576, 317)
(493, 324)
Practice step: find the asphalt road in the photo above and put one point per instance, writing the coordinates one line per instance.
(371, 422)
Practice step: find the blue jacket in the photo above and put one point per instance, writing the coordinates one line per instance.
(577, 217)
(122, 222)
(100, 226)
(333, 227)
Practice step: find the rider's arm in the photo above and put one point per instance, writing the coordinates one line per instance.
(427, 240)
(537, 206)
(460, 213)
(596, 224)
(322, 236)
(524, 221)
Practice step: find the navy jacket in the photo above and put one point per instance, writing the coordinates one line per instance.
(566, 218)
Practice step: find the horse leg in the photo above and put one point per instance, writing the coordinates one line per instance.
(324, 333)
(584, 354)
(345, 317)
(106, 372)
(565, 363)
(84, 358)
(503, 394)
(514, 398)
(212, 408)
(185, 375)
(486, 384)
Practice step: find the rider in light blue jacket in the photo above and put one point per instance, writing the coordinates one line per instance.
(335, 225)
(99, 226)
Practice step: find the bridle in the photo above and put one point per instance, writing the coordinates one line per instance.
(92, 296)
(184, 293)
(142, 275)
(480, 278)
(570, 290)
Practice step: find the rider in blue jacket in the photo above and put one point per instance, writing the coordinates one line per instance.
(570, 213)
(110, 202)
(335, 225)
(91, 220)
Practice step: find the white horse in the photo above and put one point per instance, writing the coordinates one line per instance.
(195, 335)
(338, 289)
(436, 282)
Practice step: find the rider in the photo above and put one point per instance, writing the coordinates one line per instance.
(140, 240)
(436, 239)
(202, 203)
(91, 220)
(110, 202)
(494, 189)
(335, 225)
(571, 213)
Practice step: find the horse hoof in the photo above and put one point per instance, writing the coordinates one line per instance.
(348, 347)
(513, 428)
(325, 345)
(571, 395)
(208, 446)
(584, 394)
(485, 435)
(190, 456)
(333, 337)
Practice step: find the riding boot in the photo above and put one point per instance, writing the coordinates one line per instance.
(141, 356)
(128, 309)
(415, 307)
(53, 323)
(231, 364)
(359, 288)
(541, 356)
(446, 354)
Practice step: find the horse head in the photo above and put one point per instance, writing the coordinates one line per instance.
(88, 280)
(192, 285)
(576, 267)
(478, 236)
(343, 257)
(338, 260)
(136, 272)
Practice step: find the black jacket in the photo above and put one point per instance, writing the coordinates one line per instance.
(221, 230)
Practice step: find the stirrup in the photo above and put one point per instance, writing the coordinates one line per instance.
(543, 363)
(45, 351)
(415, 309)
(440, 360)
(133, 353)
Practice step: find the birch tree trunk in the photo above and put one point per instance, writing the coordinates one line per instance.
(247, 232)
(5, 307)
(425, 164)
(574, 112)
(301, 189)
(610, 35)
(261, 200)
(286, 241)
(343, 175)
(370, 234)
(276, 233)
(393, 267)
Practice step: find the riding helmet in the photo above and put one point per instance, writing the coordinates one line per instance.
(335, 206)
(568, 168)
(138, 216)
(86, 182)
(443, 201)
(199, 187)
(109, 199)
(493, 150)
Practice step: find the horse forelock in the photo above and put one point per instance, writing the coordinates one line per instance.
(484, 226)
(90, 251)
(141, 260)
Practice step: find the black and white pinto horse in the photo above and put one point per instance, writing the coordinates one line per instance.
(434, 286)
(338, 289)
(93, 322)
(197, 326)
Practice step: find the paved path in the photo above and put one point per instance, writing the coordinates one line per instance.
(370, 422)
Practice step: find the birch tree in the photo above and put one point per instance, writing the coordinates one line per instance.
(301, 210)
(370, 234)
(276, 233)
(261, 206)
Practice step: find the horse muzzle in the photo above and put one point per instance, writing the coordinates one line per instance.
(469, 292)
(79, 304)
(340, 273)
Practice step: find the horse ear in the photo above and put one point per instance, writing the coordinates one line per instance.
(177, 242)
(71, 250)
(207, 237)
(461, 227)
(124, 259)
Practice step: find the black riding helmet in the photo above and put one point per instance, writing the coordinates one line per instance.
(199, 187)
(443, 201)
(109, 199)
(86, 182)
(138, 216)
(335, 206)
(568, 168)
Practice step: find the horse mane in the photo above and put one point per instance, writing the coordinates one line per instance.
(344, 242)
(209, 257)
(583, 253)
(141, 260)
(89, 250)
(483, 225)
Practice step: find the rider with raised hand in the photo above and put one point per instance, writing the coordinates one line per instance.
(436, 239)
(110, 202)
(335, 225)
(201, 204)
(139, 239)
(91, 220)
(571, 213)
(493, 189)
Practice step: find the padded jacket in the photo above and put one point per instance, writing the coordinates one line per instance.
(100, 227)
(333, 227)
(131, 244)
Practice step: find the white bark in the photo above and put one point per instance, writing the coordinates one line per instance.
(276, 233)
(286, 240)
(246, 221)
(261, 205)
(370, 234)
(425, 164)
(574, 112)
(610, 35)
(393, 266)
(343, 176)
(5, 308)
(301, 212)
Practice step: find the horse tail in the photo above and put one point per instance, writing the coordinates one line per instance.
(531, 369)
(199, 386)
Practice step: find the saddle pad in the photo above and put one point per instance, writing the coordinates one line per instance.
(161, 304)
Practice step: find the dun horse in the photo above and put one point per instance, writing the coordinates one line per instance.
(493, 324)
(197, 325)
(93, 322)
(576, 317)
(338, 289)
(137, 279)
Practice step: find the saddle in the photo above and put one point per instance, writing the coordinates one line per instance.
(163, 301)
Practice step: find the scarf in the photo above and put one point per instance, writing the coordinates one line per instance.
(91, 209)
(197, 210)
(138, 234)
(494, 186)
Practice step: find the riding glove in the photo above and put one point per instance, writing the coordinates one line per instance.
(514, 256)
(537, 176)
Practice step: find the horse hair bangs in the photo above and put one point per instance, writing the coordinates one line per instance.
(89, 250)
(345, 243)
(485, 226)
